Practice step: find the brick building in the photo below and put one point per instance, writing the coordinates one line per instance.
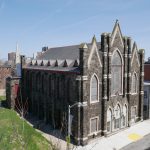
(146, 104)
(147, 70)
(105, 77)
(5, 71)
(9, 68)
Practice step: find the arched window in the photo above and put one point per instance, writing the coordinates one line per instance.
(117, 120)
(109, 120)
(134, 83)
(133, 113)
(124, 117)
(94, 89)
(116, 73)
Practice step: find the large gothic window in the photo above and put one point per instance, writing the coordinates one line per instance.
(134, 83)
(116, 73)
(94, 88)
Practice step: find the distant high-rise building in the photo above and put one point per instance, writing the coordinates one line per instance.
(11, 56)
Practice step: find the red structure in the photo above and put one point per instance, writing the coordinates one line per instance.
(147, 70)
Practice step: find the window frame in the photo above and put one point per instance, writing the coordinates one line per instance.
(135, 116)
(117, 117)
(122, 69)
(136, 84)
(94, 101)
(94, 132)
(110, 121)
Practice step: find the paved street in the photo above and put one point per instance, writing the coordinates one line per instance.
(143, 144)
(124, 138)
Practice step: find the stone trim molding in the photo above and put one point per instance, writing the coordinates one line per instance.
(141, 92)
(109, 54)
(82, 78)
(142, 73)
(128, 93)
(105, 54)
(83, 139)
(104, 131)
(125, 55)
(105, 97)
(83, 104)
(105, 76)
(99, 131)
(129, 55)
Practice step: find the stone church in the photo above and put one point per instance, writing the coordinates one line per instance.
(104, 78)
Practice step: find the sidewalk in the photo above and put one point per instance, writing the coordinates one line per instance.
(114, 142)
(121, 139)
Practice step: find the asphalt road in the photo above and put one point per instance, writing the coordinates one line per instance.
(143, 144)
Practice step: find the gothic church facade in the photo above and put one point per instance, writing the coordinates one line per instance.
(105, 78)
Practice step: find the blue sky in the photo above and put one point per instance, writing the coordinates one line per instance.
(37, 23)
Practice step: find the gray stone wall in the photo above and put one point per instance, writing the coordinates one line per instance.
(90, 110)
(49, 94)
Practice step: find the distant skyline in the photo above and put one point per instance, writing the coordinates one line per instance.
(37, 23)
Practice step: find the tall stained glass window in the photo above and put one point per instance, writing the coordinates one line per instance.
(116, 73)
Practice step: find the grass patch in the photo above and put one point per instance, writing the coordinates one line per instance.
(12, 135)
(2, 98)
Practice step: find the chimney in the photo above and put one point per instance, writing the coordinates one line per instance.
(44, 49)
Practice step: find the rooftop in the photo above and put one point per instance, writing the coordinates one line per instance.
(58, 59)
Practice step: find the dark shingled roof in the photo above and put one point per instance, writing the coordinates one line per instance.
(60, 59)
(66, 52)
